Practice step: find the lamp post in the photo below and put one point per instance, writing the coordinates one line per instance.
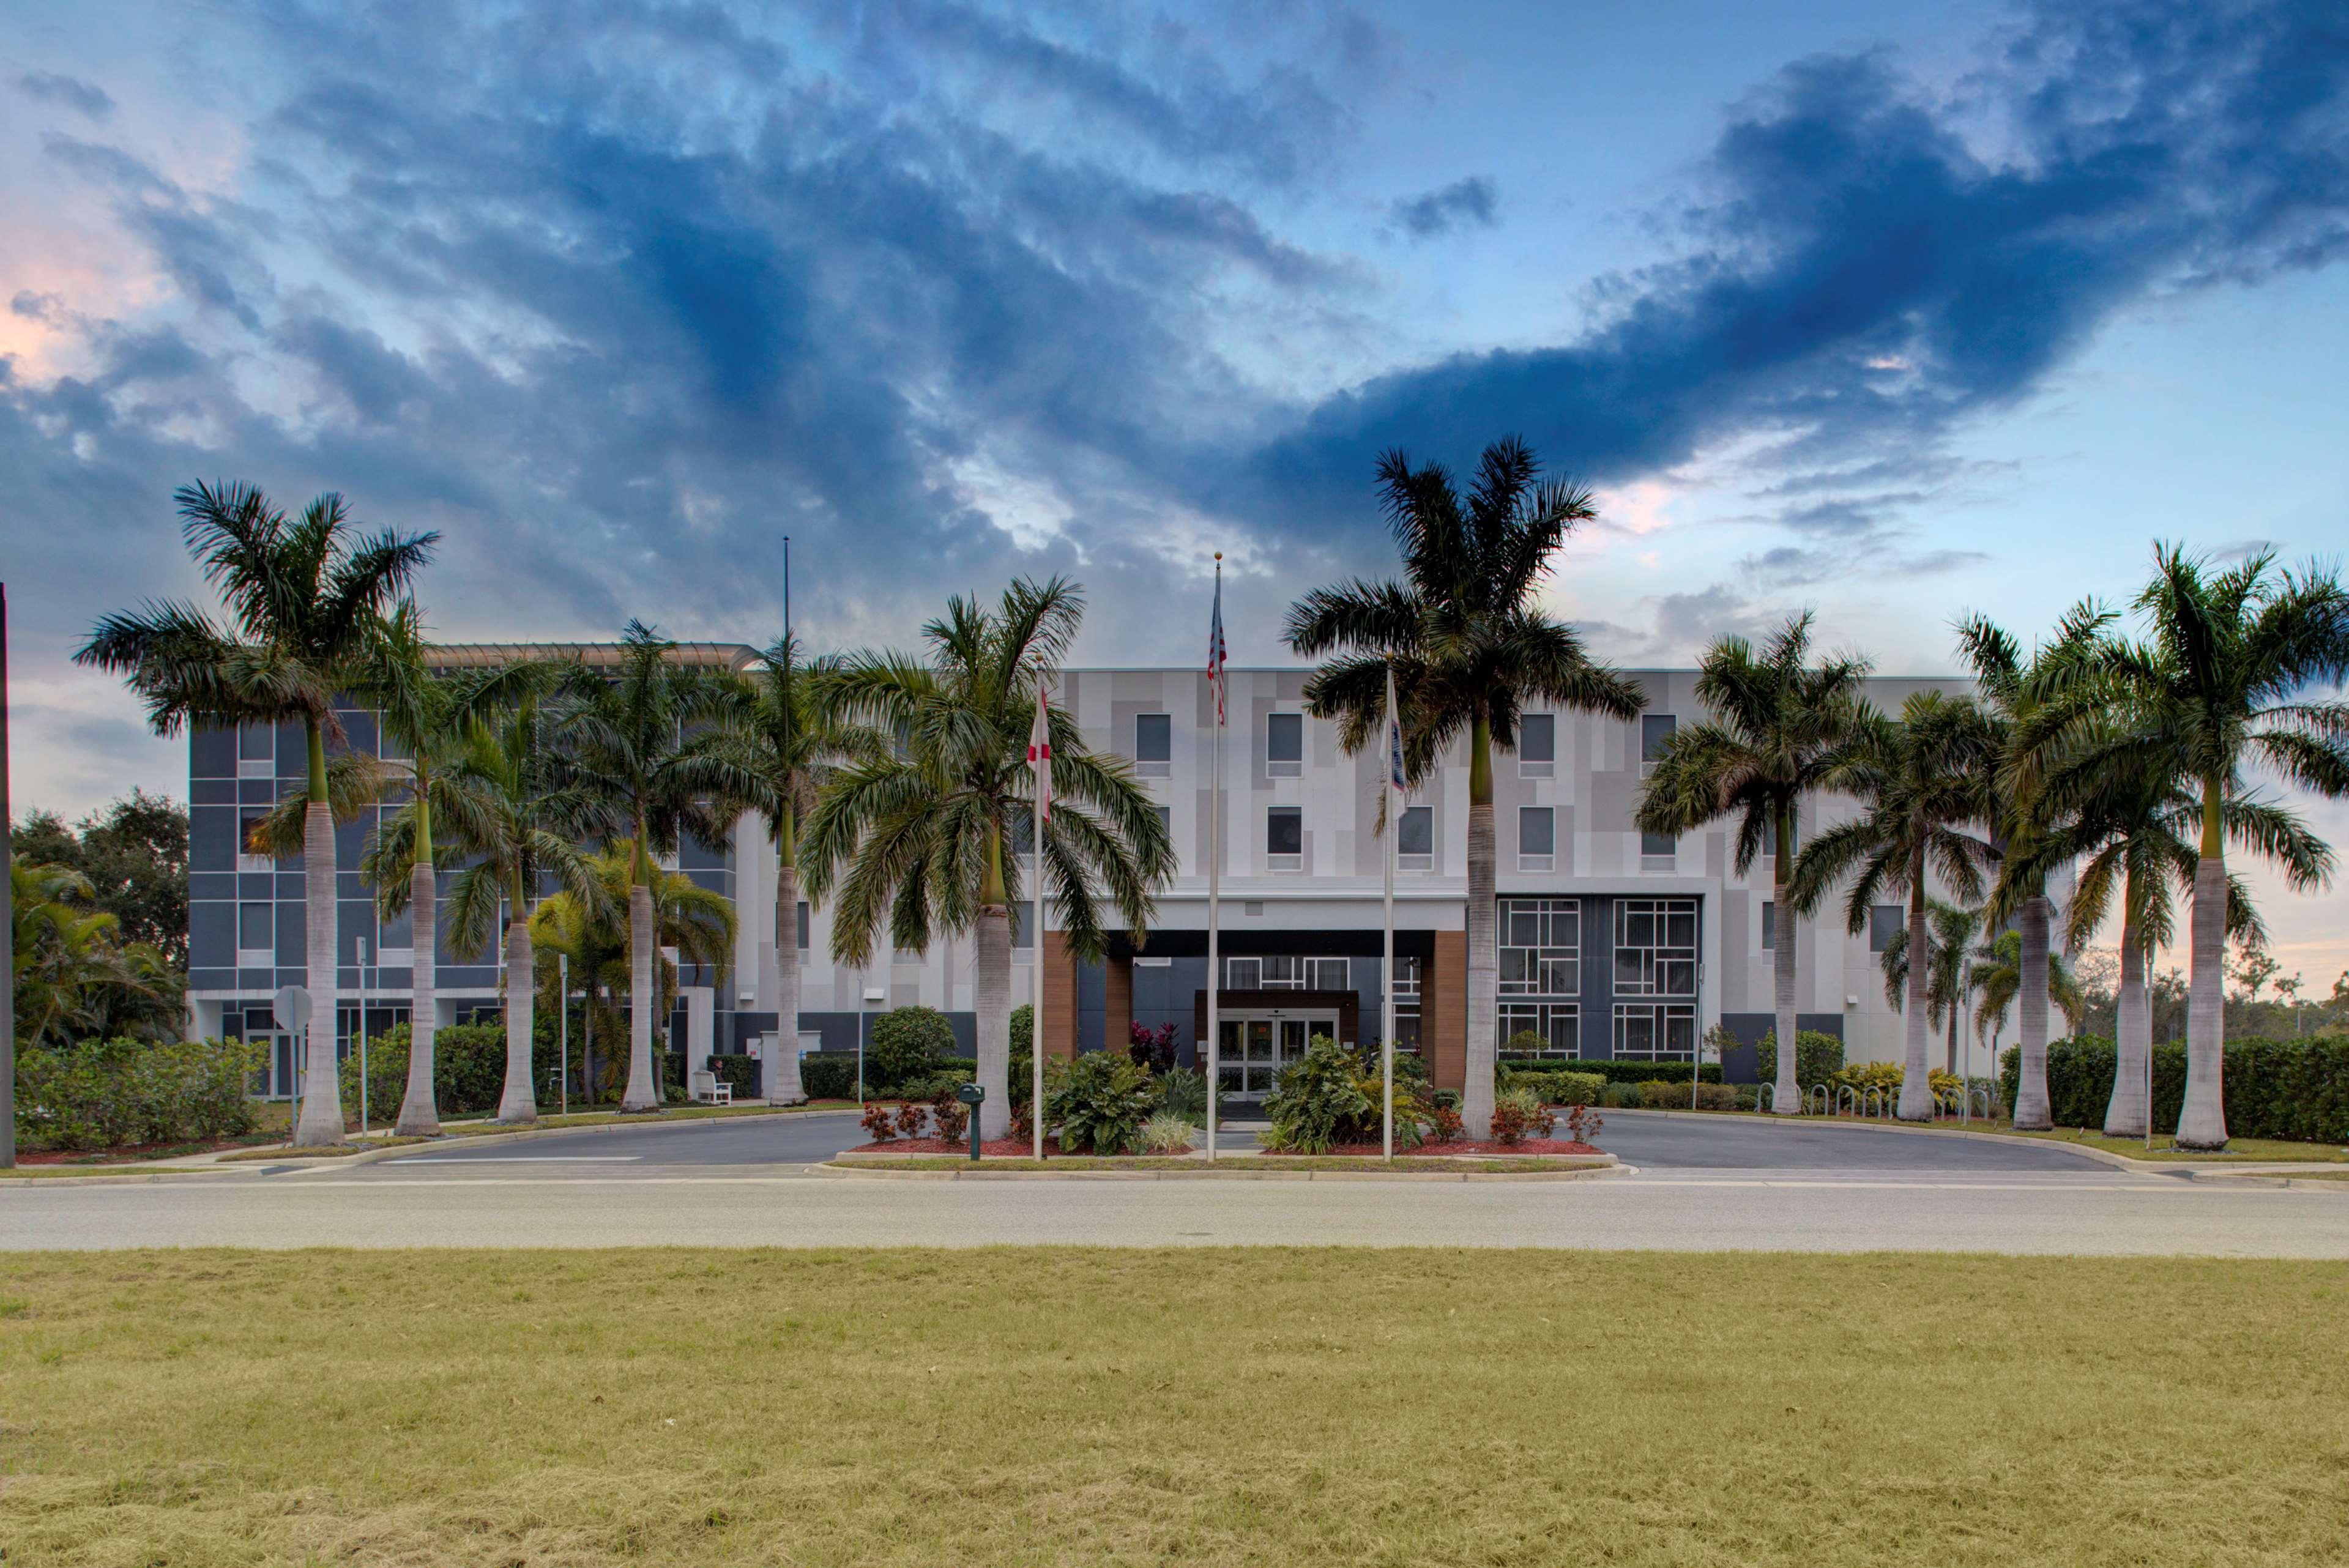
(563, 1072)
(363, 1072)
(7, 918)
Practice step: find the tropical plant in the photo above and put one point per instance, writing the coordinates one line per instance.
(1470, 647)
(654, 746)
(1950, 963)
(1319, 1100)
(301, 596)
(2222, 685)
(588, 929)
(1167, 1132)
(1519, 1114)
(1919, 780)
(1996, 979)
(1778, 723)
(909, 1045)
(1101, 1102)
(916, 839)
(1183, 1092)
(74, 980)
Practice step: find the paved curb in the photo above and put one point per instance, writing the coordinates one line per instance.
(1223, 1172)
(312, 1164)
(1814, 1123)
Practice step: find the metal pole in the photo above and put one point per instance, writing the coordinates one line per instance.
(2149, 1070)
(563, 1078)
(7, 917)
(863, 1013)
(1391, 807)
(1215, 875)
(787, 586)
(363, 1073)
(1036, 1004)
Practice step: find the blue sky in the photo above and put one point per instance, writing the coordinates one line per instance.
(1891, 311)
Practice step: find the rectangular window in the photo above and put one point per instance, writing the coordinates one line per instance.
(1658, 846)
(396, 931)
(1540, 943)
(1023, 833)
(1655, 729)
(1655, 947)
(247, 859)
(1166, 819)
(1541, 1029)
(1655, 1032)
(257, 934)
(1885, 921)
(1330, 974)
(1287, 972)
(1284, 834)
(1537, 745)
(1023, 926)
(257, 751)
(1415, 832)
(1406, 976)
(1769, 926)
(1153, 744)
(1537, 838)
(1284, 745)
(1243, 973)
(800, 920)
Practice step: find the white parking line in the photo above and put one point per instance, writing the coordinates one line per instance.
(521, 1159)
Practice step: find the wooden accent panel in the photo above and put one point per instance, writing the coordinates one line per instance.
(1117, 1003)
(1443, 1011)
(1057, 1028)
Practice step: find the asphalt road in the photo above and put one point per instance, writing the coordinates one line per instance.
(1702, 1185)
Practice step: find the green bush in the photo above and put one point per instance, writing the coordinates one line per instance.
(1555, 1088)
(2296, 1089)
(1817, 1057)
(1612, 1071)
(1322, 1099)
(1101, 1102)
(1023, 1027)
(469, 1071)
(1168, 1133)
(106, 1094)
(907, 1045)
(1184, 1092)
(1619, 1096)
(828, 1075)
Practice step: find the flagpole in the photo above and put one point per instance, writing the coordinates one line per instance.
(1391, 810)
(1214, 863)
(1036, 1005)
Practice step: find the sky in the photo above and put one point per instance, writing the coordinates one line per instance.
(1893, 311)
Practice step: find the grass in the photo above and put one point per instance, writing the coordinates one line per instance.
(2239, 1148)
(1232, 1165)
(1212, 1406)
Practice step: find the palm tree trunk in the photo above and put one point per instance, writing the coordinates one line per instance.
(2125, 1113)
(1483, 959)
(1916, 1076)
(992, 980)
(1786, 1097)
(418, 1117)
(783, 1068)
(641, 1095)
(520, 1100)
(322, 1099)
(2033, 1111)
(2202, 1120)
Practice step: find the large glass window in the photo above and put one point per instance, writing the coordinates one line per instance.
(1537, 745)
(1769, 926)
(1284, 744)
(1285, 971)
(799, 919)
(1536, 837)
(1655, 1031)
(1556, 1028)
(1415, 834)
(1284, 831)
(1541, 946)
(1657, 846)
(1655, 729)
(1886, 921)
(256, 928)
(256, 750)
(1153, 744)
(1655, 947)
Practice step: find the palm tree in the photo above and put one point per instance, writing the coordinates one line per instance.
(912, 838)
(1997, 979)
(1948, 969)
(73, 979)
(301, 596)
(792, 744)
(2025, 696)
(583, 923)
(2219, 688)
(649, 744)
(1470, 646)
(2131, 824)
(1779, 724)
(1919, 780)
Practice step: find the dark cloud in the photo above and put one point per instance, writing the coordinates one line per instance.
(1456, 205)
(71, 91)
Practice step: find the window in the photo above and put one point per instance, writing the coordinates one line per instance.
(396, 931)
(1243, 973)
(1153, 744)
(1406, 976)
(1556, 1025)
(257, 751)
(1023, 927)
(1769, 926)
(1541, 946)
(1415, 838)
(1885, 923)
(1659, 846)
(1023, 833)
(256, 944)
(1284, 837)
(1284, 745)
(802, 920)
(1165, 820)
(1655, 1032)
(246, 858)
(1537, 838)
(1655, 729)
(1537, 745)
(1286, 971)
(1655, 947)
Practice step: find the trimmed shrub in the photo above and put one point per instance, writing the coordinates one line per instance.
(104, 1094)
(1558, 1087)
(907, 1045)
(1100, 1103)
(1622, 1095)
(1612, 1071)
(2294, 1089)
(469, 1071)
(1817, 1057)
(829, 1075)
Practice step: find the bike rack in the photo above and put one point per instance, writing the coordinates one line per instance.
(1847, 1099)
(1987, 1113)
(1820, 1089)
(1880, 1099)
(1766, 1095)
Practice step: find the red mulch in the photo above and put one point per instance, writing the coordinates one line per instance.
(999, 1148)
(1463, 1146)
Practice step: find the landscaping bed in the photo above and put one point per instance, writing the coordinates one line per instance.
(994, 1148)
(1458, 1146)
(1229, 1165)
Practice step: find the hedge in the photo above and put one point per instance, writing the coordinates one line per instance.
(828, 1075)
(1612, 1071)
(469, 1071)
(1555, 1088)
(104, 1094)
(2294, 1089)
(1818, 1056)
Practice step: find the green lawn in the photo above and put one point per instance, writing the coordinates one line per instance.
(2239, 1148)
(1244, 1406)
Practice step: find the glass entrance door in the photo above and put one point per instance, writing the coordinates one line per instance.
(1255, 1051)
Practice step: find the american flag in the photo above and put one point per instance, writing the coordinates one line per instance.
(1215, 649)
(1040, 755)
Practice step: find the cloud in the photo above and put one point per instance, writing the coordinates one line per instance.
(48, 86)
(1439, 211)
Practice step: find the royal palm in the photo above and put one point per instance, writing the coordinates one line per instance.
(916, 842)
(1919, 781)
(1777, 726)
(1471, 647)
(301, 595)
(1948, 969)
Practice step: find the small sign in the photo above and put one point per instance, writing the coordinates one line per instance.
(292, 1005)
